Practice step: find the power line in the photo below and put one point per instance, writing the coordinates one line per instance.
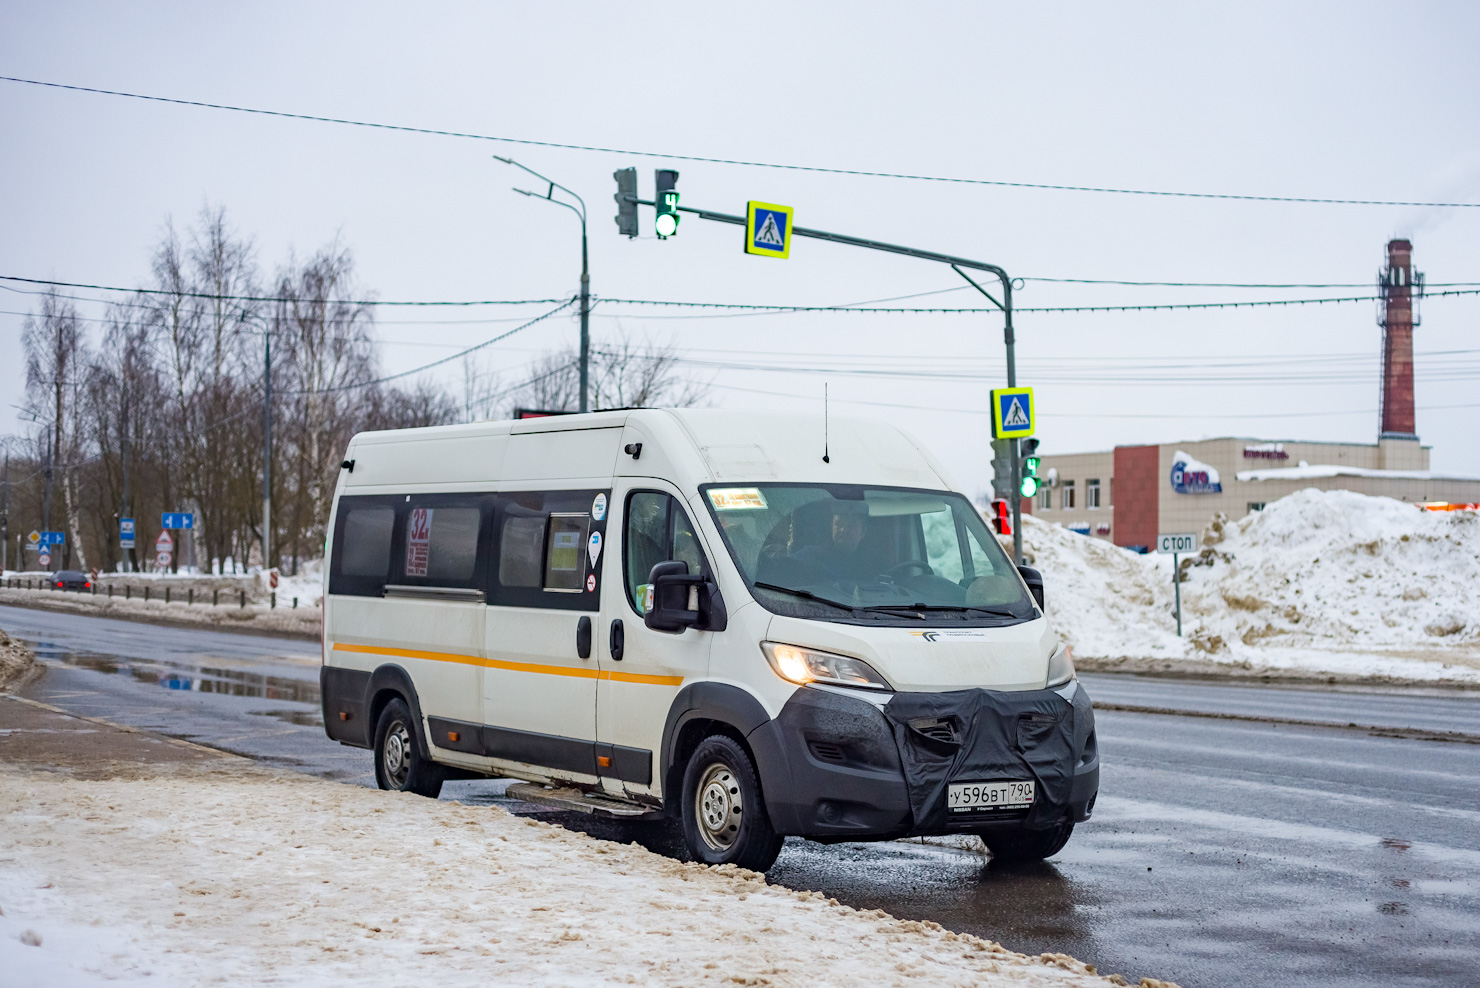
(268, 298)
(1262, 303)
(735, 161)
(435, 363)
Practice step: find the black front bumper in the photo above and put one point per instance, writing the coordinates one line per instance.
(836, 767)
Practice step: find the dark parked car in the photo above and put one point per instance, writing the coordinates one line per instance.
(71, 579)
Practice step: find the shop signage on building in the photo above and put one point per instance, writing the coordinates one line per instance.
(1190, 476)
(1266, 451)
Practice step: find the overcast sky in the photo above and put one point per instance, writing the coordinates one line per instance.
(1339, 100)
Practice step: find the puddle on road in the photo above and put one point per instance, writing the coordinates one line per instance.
(302, 718)
(194, 679)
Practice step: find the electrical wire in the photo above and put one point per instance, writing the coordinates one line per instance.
(1165, 306)
(435, 363)
(735, 161)
(266, 298)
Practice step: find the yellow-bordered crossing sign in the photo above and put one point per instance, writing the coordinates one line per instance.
(767, 229)
(1012, 413)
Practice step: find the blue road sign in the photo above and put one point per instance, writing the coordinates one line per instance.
(767, 229)
(177, 520)
(1012, 413)
(53, 538)
(125, 533)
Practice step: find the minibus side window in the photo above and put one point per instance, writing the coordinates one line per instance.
(565, 552)
(440, 540)
(519, 550)
(362, 548)
(549, 549)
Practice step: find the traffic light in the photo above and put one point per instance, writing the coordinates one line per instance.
(1002, 516)
(665, 199)
(1031, 461)
(626, 200)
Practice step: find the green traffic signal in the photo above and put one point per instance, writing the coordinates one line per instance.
(1029, 486)
(667, 222)
(665, 199)
(1030, 466)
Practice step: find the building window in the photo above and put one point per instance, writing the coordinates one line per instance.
(1256, 506)
(1045, 499)
(1067, 500)
(1092, 494)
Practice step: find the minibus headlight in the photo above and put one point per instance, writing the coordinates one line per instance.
(1060, 665)
(805, 665)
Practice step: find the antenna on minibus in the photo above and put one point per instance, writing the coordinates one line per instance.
(825, 457)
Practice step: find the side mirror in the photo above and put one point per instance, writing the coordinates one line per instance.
(1034, 580)
(682, 601)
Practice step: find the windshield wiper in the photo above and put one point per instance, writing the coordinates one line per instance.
(805, 594)
(939, 607)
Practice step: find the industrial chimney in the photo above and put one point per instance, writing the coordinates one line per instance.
(1400, 287)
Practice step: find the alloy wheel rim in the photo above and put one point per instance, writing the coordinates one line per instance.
(718, 807)
(397, 758)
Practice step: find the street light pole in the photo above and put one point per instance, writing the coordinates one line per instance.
(549, 196)
(266, 439)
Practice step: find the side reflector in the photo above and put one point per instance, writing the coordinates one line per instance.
(604, 761)
(344, 715)
(453, 735)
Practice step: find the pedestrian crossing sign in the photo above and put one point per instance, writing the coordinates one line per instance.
(1012, 413)
(767, 229)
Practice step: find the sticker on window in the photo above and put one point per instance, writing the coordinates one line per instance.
(598, 507)
(593, 547)
(418, 541)
(565, 551)
(736, 498)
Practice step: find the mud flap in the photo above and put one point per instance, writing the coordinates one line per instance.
(983, 736)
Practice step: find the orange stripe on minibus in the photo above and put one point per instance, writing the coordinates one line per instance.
(545, 670)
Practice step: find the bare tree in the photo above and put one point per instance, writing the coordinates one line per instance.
(54, 350)
(623, 374)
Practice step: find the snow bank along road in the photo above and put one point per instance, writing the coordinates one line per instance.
(1222, 851)
(184, 871)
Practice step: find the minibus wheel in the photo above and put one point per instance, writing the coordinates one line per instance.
(1021, 846)
(400, 764)
(724, 817)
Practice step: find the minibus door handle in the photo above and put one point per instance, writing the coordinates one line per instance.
(583, 637)
(618, 640)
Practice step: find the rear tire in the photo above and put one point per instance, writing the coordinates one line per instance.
(1023, 846)
(724, 815)
(400, 764)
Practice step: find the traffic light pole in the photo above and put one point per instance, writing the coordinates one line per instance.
(957, 264)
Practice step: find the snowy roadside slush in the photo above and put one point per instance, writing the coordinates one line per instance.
(16, 663)
(231, 874)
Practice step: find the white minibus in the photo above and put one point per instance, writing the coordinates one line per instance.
(753, 624)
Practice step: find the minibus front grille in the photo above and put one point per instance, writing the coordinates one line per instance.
(937, 730)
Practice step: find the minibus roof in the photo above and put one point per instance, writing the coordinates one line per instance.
(691, 446)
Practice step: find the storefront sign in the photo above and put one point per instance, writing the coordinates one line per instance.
(1191, 476)
(1266, 451)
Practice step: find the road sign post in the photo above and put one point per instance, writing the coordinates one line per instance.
(1176, 544)
(164, 550)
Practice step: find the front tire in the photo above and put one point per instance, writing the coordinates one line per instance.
(1024, 846)
(724, 816)
(400, 764)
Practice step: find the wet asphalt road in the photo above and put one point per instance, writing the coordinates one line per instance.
(1222, 851)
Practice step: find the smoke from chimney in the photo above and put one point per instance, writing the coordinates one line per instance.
(1400, 287)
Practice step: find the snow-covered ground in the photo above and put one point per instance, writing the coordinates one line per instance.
(231, 874)
(1318, 582)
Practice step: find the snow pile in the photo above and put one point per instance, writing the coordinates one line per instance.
(234, 875)
(1394, 589)
(16, 662)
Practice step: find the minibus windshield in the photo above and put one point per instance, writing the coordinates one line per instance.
(846, 552)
